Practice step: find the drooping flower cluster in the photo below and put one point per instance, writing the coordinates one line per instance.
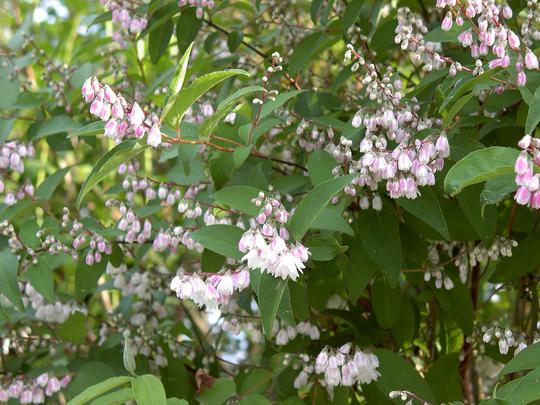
(125, 15)
(465, 256)
(12, 154)
(265, 246)
(339, 367)
(486, 31)
(528, 182)
(209, 290)
(200, 4)
(29, 390)
(57, 312)
(315, 138)
(530, 28)
(505, 338)
(410, 164)
(142, 324)
(123, 120)
(285, 333)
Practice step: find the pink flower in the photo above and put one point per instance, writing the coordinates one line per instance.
(447, 22)
(136, 116)
(513, 39)
(522, 164)
(521, 79)
(523, 196)
(531, 61)
(154, 136)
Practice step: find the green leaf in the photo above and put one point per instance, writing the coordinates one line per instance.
(221, 391)
(128, 356)
(177, 82)
(224, 108)
(525, 259)
(270, 106)
(86, 277)
(320, 165)
(479, 166)
(306, 49)
(314, 203)
(269, 291)
(187, 28)
(524, 390)
(8, 278)
(444, 379)
(222, 239)
(158, 40)
(55, 125)
(46, 189)
(239, 198)
(386, 301)
(255, 399)
(94, 128)
(428, 209)
(176, 401)
(118, 397)
(457, 304)
(331, 220)
(526, 359)
(256, 382)
(148, 390)
(379, 233)
(352, 12)
(533, 116)
(101, 388)
(497, 188)
(41, 277)
(234, 40)
(73, 329)
(456, 108)
(189, 95)
(398, 374)
(121, 153)
(240, 154)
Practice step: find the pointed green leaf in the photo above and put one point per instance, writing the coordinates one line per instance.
(189, 95)
(222, 239)
(148, 390)
(314, 203)
(533, 116)
(177, 82)
(101, 388)
(479, 166)
(121, 153)
(8, 278)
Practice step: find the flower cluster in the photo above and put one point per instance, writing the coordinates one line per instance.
(284, 333)
(528, 192)
(487, 31)
(209, 290)
(410, 164)
(57, 312)
(530, 29)
(464, 256)
(316, 138)
(29, 390)
(504, 338)
(125, 15)
(340, 367)
(123, 120)
(12, 154)
(265, 246)
(200, 4)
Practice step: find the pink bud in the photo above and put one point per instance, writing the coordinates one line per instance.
(522, 164)
(447, 22)
(136, 116)
(154, 136)
(531, 61)
(523, 196)
(525, 142)
(110, 95)
(521, 79)
(535, 200)
(513, 39)
(117, 110)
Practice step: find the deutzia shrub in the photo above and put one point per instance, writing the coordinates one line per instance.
(269, 202)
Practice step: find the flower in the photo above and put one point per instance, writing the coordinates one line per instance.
(154, 136)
